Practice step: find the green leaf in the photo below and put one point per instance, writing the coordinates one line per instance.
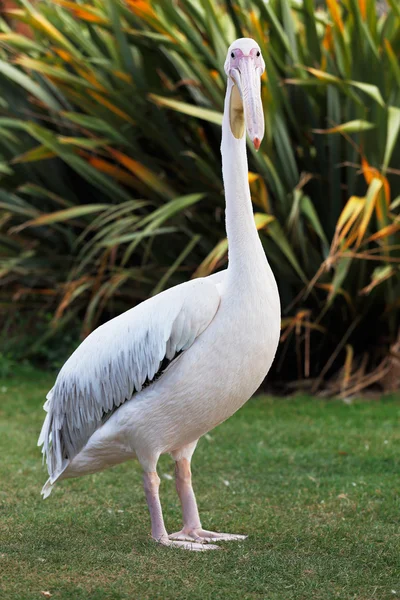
(371, 90)
(95, 124)
(58, 73)
(158, 217)
(309, 211)
(28, 84)
(89, 173)
(120, 37)
(289, 28)
(394, 62)
(179, 260)
(395, 204)
(311, 30)
(355, 126)
(276, 232)
(394, 5)
(20, 41)
(137, 236)
(199, 112)
(82, 142)
(270, 17)
(64, 215)
(393, 128)
(38, 153)
(341, 270)
(5, 169)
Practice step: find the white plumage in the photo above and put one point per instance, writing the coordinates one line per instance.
(158, 377)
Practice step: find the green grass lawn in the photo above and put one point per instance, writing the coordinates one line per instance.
(315, 485)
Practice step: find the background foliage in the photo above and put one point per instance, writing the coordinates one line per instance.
(111, 186)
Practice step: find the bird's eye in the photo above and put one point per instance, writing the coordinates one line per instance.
(232, 54)
(258, 53)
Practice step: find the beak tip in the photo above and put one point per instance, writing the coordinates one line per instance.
(257, 143)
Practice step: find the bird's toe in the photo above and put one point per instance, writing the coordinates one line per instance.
(185, 542)
(186, 537)
(213, 536)
(203, 536)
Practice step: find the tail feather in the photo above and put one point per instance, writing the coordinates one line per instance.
(47, 489)
(50, 440)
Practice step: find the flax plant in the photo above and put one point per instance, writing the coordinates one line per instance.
(111, 185)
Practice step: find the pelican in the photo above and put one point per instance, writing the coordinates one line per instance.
(161, 375)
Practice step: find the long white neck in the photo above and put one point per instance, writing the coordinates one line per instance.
(245, 249)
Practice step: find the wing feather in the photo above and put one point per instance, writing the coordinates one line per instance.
(117, 360)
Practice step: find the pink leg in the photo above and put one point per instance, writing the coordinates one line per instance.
(151, 483)
(192, 529)
(183, 480)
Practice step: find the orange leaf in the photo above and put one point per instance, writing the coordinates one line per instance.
(142, 173)
(39, 21)
(141, 7)
(111, 106)
(113, 171)
(212, 260)
(37, 153)
(66, 56)
(262, 220)
(351, 239)
(348, 217)
(363, 9)
(259, 193)
(329, 288)
(83, 11)
(85, 15)
(385, 232)
(219, 252)
(371, 173)
(253, 177)
(370, 203)
(323, 76)
(70, 288)
(335, 13)
(124, 76)
(327, 42)
(91, 79)
(256, 26)
(350, 212)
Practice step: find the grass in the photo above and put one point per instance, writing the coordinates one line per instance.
(314, 483)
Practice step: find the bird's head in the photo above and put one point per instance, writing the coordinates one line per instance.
(244, 65)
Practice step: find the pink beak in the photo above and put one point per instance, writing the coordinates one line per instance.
(248, 79)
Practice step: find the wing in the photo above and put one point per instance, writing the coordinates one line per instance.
(117, 360)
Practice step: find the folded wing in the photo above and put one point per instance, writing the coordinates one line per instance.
(116, 361)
